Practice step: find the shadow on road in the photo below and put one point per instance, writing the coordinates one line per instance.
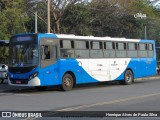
(5, 88)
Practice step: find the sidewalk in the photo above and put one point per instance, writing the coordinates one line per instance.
(7, 88)
(151, 77)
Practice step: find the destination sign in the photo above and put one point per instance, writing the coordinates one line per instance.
(22, 38)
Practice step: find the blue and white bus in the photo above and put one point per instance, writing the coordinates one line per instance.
(43, 60)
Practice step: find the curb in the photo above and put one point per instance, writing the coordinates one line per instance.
(152, 77)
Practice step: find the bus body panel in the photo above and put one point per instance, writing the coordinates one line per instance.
(25, 78)
(52, 75)
(86, 70)
(33, 82)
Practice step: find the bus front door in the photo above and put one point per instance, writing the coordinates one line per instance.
(49, 61)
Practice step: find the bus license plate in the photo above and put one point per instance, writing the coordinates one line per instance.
(18, 82)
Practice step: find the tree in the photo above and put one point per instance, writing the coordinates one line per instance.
(57, 9)
(2, 5)
(40, 6)
(115, 18)
(105, 18)
(12, 19)
(76, 20)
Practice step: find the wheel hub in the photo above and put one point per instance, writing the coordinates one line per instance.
(67, 82)
(128, 77)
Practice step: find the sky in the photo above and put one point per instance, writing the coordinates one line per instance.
(156, 3)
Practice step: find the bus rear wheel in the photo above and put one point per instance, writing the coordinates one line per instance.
(128, 78)
(67, 82)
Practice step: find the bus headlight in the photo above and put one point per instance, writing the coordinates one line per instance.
(33, 75)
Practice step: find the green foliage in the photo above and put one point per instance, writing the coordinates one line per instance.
(4, 54)
(12, 19)
(75, 20)
(99, 18)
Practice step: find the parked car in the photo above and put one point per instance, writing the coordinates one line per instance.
(3, 72)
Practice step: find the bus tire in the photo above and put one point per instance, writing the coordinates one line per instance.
(128, 78)
(67, 82)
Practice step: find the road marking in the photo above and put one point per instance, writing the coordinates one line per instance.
(2, 94)
(107, 103)
(22, 94)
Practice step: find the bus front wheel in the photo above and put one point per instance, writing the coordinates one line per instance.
(128, 78)
(67, 82)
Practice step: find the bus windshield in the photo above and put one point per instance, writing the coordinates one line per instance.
(23, 55)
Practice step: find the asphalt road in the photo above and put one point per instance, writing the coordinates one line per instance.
(143, 95)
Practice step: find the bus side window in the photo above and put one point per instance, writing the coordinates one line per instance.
(45, 52)
(42, 52)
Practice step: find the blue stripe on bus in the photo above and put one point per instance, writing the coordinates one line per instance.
(64, 65)
(146, 67)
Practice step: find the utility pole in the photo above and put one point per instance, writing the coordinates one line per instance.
(36, 19)
(48, 16)
(145, 31)
(35, 15)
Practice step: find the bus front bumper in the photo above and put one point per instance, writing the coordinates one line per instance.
(33, 82)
